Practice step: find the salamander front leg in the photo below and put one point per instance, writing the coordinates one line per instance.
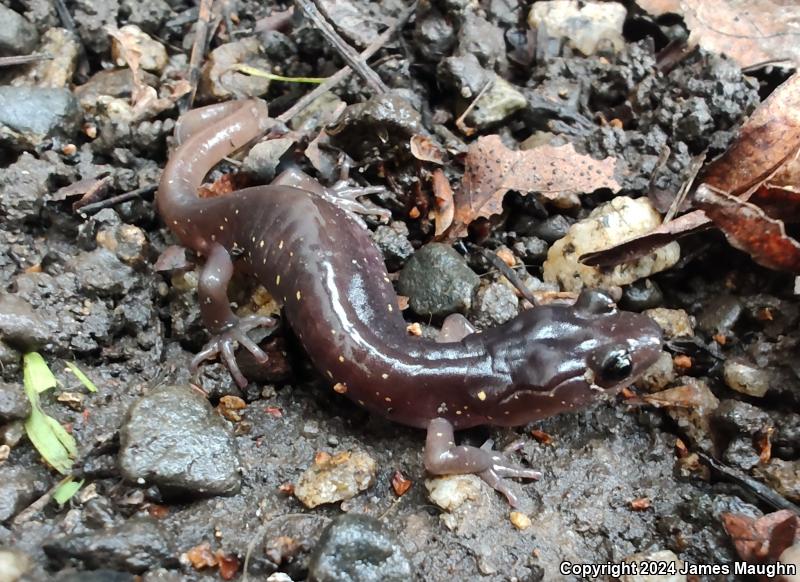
(227, 330)
(443, 457)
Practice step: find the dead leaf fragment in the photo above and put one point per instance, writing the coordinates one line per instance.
(445, 206)
(426, 150)
(765, 538)
(492, 169)
(749, 229)
(400, 483)
(751, 32)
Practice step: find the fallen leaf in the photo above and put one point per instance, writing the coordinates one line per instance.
(445, 207)
(229, 407)
(765, 538)
(201, 556)
(751, 32)
(764, 445)
(83, 378)
(228, 565)
(400, 483)
(426, 150)
(748, 228)
(492, 170)
(767, 141)
(66, 490)
(542, 437)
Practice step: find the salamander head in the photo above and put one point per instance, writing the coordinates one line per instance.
(561, 358)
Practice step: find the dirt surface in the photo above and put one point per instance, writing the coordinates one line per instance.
(176, 490)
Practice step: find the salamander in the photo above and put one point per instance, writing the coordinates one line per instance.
(319, 261)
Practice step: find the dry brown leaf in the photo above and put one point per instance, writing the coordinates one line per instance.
(765, 538)
(400, 483)
(748, 228)
(426, 150)
(659, 7)
(751, 32)
(492, 170)
(445, 207)
(767, 141)
(685, 396)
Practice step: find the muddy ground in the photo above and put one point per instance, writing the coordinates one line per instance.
(82, 286)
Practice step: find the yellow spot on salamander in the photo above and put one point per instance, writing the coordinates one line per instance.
(278, 280)
(261, 244)
(175, 222)
(221, 227)
(481, 395)
(298, 295)
(387, 399)
(280, 245)
(390, 307)
(328, 372)
(341, 358)
(384, 376)
(340, 387)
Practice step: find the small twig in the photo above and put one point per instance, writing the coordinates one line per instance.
(114, 200)
(509, 274)
(64, 15)
(466, 130)
(344, 72)
(348, 53)
(24, 59)
(39, 504)
(198, 52)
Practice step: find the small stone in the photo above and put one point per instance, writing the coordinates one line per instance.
(660, 375)
(14, 405)
(335, 478)
(737, 417)
(173, 438)
(438, 281)
(72, 399)
(20, 325)
(740, 453)
(452, 491)
(101, 274)
(520, 520)
(614, 222)
(500, 101)
(31, 115)
(93, 19)
(127, 241)
(720, 314)
(550, 229)
(358, 548)
(434, 35)
(58, 71)
(479, 37)
(494, 305)
(311, 428)
(264, 157)
(17, 35)
(19, 487)
(320, 112)
(135, 546)
(746, 378)
(783, 476)
(112, 83)
(531, 249)
(151, 54)
(220, 82)
(640, 295)
(660, 557)
(696, 422)
(13, 564)
(586, 26)
(149, 15)
(392, 240)
(673, 322)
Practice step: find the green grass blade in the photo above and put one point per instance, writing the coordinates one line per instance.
(256, 72)
(42, 434)
(81, 376)
(66, 490)
(36, 374)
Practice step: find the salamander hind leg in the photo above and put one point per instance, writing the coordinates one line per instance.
(443, 457)
(227, 329)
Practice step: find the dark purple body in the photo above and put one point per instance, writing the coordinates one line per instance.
(322, 265)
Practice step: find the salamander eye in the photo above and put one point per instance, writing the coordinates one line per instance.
(616, 366)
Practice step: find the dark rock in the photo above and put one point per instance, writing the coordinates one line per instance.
(19, 487)
(149, 15)
(783, 476)
(135, 546)
(377, 129)
(113, 82)
(737, 417)
(464, 74)
(434, 35)
(14, 405)
(494, 304)
(92, 17)
(693, 121)
(101, 274)
(17, 35)
(720, 314)
(357, 548)
(20, 325)
(741, 453)
(531, 249)
(264, 157)
(550, 229)
(640, 295)
(31, 115)
(393, 242)
(173, 438)
(437, 281)
(25, 185)
(484, 40)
